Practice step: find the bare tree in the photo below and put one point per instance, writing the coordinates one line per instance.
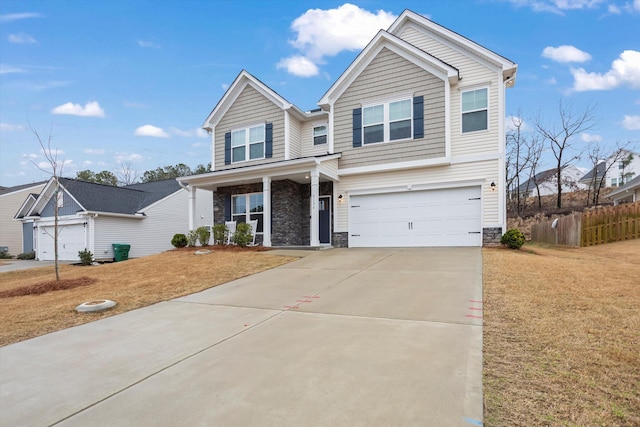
(51, 155)
(536, 147)
(126, 175)
(559, 135)
(624, 164)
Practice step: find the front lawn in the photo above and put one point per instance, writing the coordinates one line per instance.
(562, 336)
(132, 284)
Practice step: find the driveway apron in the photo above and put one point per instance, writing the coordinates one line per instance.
(344, 337)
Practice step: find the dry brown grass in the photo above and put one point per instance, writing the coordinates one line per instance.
(132, 284)
(562, 336)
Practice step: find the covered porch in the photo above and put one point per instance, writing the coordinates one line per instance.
(292, 200)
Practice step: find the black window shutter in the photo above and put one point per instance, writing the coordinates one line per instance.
(418, 117)
(227, 148)
(227, 207)
(357, 127)
(268, 140)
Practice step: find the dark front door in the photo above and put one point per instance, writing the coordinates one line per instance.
(324, 211)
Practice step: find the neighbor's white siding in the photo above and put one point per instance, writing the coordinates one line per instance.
(434, 177)
(153, 233)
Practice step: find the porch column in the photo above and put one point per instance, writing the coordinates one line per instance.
(315, 221)
(192, 208)
(266, 211)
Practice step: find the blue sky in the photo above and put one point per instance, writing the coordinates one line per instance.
(132, 81)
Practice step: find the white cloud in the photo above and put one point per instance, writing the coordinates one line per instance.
(631, 122)
(225, 86)
(565, 54)
(148, 44)
(22, 38)
(512, 121)
(87, 163)
(94, 151)
(8, 127)
(625, 71)
(90, 109)
(298, 66)
(54, 152)
(17, 16)
(587, 137)
(128, 157)
(613, 9)
(558, 6)
(8, 69)
(328, 32)
(190, 133)
(150, 130)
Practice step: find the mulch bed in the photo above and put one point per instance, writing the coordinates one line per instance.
(44, 287)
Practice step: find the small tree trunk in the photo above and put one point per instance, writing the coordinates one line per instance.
(55, 228)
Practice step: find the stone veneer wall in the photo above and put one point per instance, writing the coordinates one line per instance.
(491, 235)
(340, 240)
(290, 218)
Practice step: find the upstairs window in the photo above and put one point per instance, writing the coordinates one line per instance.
(319, 135)
(475, 110)
(247, 144)
(386, 122)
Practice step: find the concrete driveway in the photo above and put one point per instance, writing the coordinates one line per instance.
(345, 337)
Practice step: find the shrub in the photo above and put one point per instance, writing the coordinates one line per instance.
(192, 238)
(243, 235)
(179, 240)
(5, 255)
(220, 232)
(27, 255)
(203, 235)
(513, 238)
(86, 257)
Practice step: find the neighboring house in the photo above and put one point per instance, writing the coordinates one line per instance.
(407, 148)
(94, 216)
(11, 232)
(615, 175)
(630, 192)
(547, 182)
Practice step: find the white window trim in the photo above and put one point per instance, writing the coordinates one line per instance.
(472, 89)
(247, 145)
(248, 213)
(313, 128)
(386, 123)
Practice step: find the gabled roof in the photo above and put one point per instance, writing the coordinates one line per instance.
(599, 172)
(241, 81)
(408, 17)
(539, 178)
(408, 51)
(631, 185)
(93, 197)
(26, 206)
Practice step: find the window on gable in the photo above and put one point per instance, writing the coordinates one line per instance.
(319, 135)
(387, 122)
(475, 110)
(247, 144)
(246, 207)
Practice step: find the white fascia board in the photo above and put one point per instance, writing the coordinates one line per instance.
(46, 194)
(406, 50)
(28, 189)
(389, 167)
(407, 17)
(26, 206)
(236, 88)
(112, 214)
(224, 177)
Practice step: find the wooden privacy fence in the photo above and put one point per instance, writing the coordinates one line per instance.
(592, 227)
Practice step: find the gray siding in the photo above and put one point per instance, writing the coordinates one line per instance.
(70, 207)
(387, 75)
(250, 108)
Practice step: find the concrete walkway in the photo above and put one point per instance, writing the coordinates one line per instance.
(346, 337)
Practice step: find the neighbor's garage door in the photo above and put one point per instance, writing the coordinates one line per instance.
(71, 240)
(446, 217)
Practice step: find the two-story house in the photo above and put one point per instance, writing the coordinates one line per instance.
(614, 171)
(406, 149)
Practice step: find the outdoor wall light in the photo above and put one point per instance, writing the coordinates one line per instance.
(340, 198)
(493, 186)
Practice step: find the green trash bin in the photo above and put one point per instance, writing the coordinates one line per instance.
(120, 251)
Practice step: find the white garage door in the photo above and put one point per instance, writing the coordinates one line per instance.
(446, 217)
(71, 240)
